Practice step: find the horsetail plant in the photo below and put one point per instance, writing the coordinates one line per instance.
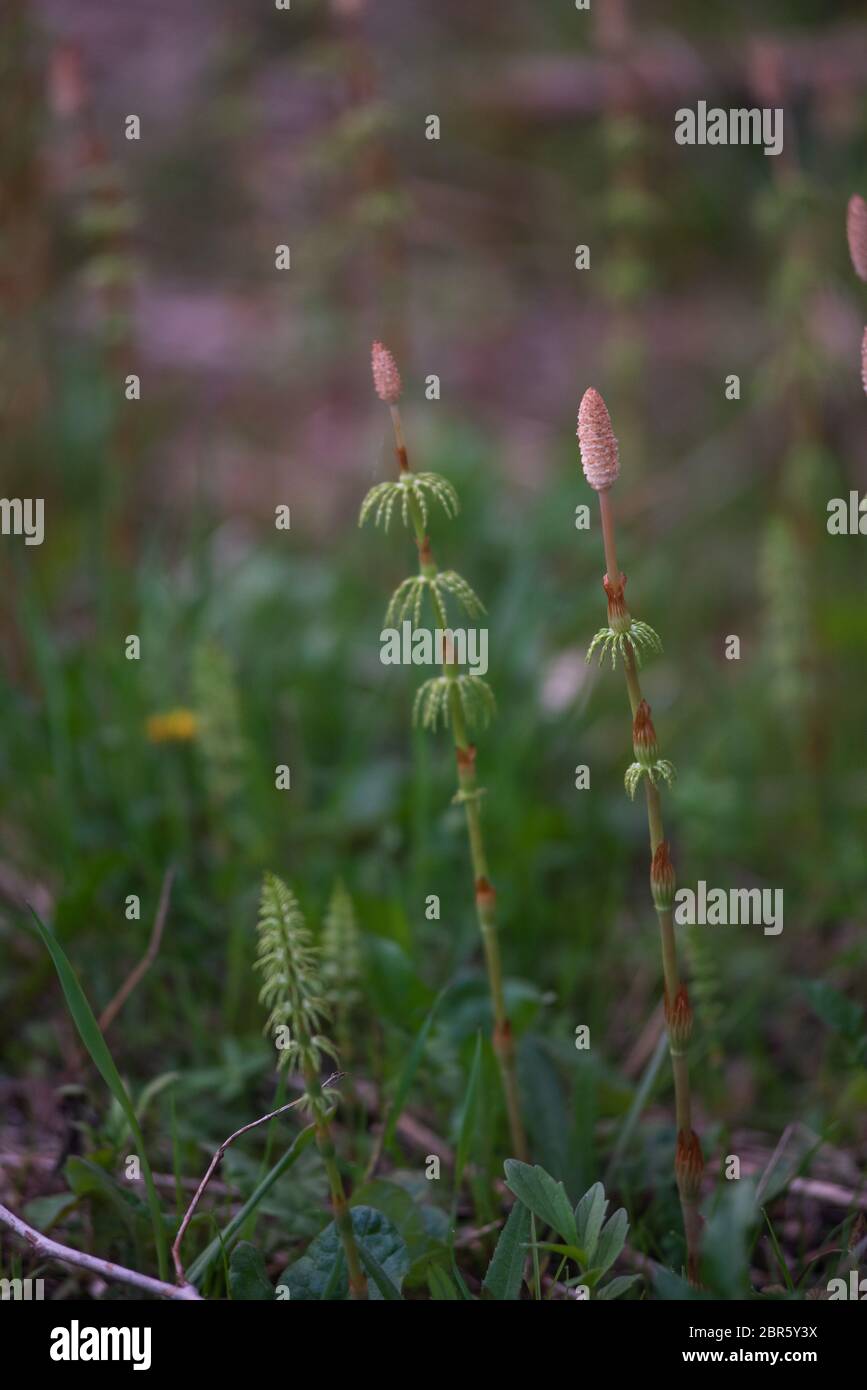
(293, 990)
(626, 637)
(454, 698)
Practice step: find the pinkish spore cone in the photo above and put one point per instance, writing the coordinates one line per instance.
(856, 234)
(599, 456)
(386, 377)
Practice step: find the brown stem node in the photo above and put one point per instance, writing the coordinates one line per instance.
(486, 895)
(679, 1018)
(688, 1165)
(466, 760)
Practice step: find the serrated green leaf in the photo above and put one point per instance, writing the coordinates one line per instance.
(248, 1277)
(589, 1215)
(506, 1270)
(545, 1197)
(612, 1239)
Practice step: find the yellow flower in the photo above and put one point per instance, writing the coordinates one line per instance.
(175, 726)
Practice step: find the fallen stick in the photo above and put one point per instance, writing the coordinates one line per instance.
(51, 1249)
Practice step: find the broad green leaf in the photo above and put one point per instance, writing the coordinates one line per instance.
(248, 1277)
(544, 1104)
(612, 1239)
(321, 1273)
(468, 1008)
(379, 1238)
(199, 1268)
(387, 1290)
(442, 1290)
(397, 992)
(45, 1212)
(589, 1215)
(506, 1270)
(615, 1287)
(728, 1239)
(545, 1197)
(88, 1029)
(404, 1214)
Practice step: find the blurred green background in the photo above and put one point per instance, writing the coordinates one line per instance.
(157, 257)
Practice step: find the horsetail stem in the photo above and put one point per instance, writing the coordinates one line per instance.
(293, 989)
(627, 637)
(459, 699)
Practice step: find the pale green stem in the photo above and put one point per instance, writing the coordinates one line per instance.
(679, 1066)
(608, 536)
(339, 1205)
(503, 1041)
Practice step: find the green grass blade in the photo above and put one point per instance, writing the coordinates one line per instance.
(784, 1268)
(88, 1029)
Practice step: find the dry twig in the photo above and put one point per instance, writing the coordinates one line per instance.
(51, 1249)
